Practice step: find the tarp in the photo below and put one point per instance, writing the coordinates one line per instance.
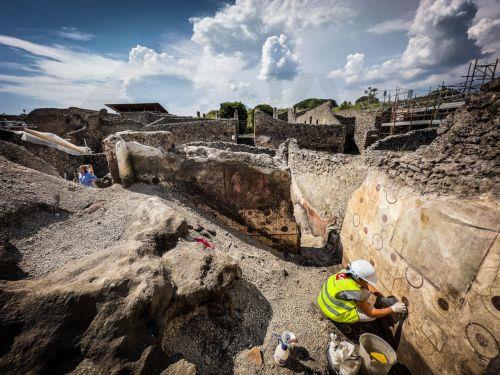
(52, 140)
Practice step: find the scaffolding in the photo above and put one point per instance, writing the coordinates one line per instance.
(403, 110)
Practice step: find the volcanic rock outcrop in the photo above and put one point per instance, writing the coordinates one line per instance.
(107, 312)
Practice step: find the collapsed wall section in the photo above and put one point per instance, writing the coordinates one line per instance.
(249, 192)
(270, 133)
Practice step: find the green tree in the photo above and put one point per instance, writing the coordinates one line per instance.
(212, 115)
(312, 103)
(266, 108)
(345, 105)
(369, 97)
(227, 110)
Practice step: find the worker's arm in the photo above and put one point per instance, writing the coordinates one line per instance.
(373, 312)
(374, 291)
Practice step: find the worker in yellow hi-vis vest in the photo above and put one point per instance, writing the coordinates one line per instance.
(344, 296)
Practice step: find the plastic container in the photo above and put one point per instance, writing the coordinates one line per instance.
(369, 343)
(282, 352)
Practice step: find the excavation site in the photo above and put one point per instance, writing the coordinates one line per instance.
(245, 187)
(196, 251)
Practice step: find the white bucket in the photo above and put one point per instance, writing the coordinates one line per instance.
(369, 343)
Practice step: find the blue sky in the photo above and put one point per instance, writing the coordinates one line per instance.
(192, 55)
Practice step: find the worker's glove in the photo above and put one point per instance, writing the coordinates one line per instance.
(399, 307)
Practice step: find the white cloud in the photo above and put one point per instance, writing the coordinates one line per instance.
(486, 33)
(391, 26)
(74, 34)
(242, 28)
(278, 62)
(438, 35)
(438, 41)
(353, 69)
(63, 76)
(235, 86)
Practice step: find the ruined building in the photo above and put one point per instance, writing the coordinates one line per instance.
(203, 247)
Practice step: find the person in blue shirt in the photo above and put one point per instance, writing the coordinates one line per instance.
(86, 177)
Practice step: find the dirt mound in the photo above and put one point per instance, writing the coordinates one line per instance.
(106, 312)
(19, 155)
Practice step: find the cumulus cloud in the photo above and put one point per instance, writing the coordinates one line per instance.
(438, 41)
(486, 33)
(391, 26)
(242, 28)
(353, 69)
(63, 76)
(278, 62)
(74, 34)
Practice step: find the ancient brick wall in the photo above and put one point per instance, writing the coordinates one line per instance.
(224, 130)
(406, 142)
(270, 133)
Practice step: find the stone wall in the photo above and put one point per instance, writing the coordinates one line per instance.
(158, 139)
(234, 147)
(325, 183)
(224, 130)
(249, 192)
(322, 114)
(173, 119)
(144, 118)
(364, 122)
(440, 256)
(410, 141)
(270, 133)
(58, 121)
(462, 160)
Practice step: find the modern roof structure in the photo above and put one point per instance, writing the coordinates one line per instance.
(137, 107)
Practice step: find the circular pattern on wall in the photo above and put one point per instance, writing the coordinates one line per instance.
(391, 194)
(443, 304)
(482, 340)
(377, 241)
(414, 278)
(211, 178)
(281, 225)
(495, 301)
(356, 220)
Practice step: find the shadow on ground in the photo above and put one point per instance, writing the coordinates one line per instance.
(215, 332)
